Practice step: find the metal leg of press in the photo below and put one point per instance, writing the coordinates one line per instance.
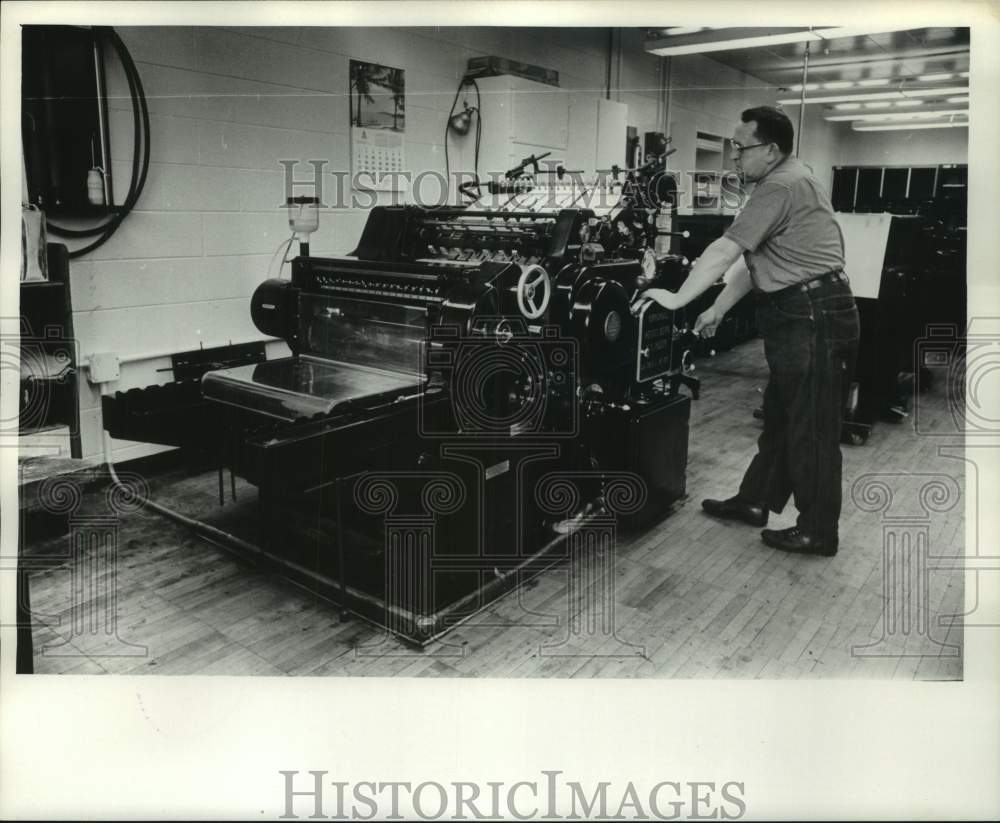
(25, 657)
(341, 570)
(222, 464)
(693, 384)
(234, 448)
(267, 515)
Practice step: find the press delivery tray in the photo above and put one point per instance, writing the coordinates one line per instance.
(296, 387)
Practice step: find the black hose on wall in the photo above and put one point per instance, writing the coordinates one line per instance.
(140, 153)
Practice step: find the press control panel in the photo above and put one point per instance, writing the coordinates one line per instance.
(656, 342)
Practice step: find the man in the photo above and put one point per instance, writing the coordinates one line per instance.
(806, 314)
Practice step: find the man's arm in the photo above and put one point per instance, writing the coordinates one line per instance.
(737, 286)
(713, 263)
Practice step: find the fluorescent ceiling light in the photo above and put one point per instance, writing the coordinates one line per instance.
(905, 104)
(880, 95)
(961, 99)
(844, 98)
(855, 31)
(963, 74)
(896, 115)
(880, 104)
(849, 84)
(732, 43)
(724, 39)
(676, 30)
(936, 92)
(933, 78)
(902, 126)
(848, 106)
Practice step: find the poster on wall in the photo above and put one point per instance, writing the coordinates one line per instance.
(378, 123)
(865, 239)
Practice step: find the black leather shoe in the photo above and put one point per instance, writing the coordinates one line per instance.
(797, 541)
(736, 509)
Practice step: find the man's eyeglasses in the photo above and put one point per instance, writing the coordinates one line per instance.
(738, 149)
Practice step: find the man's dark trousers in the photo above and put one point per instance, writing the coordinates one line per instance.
(811, 343)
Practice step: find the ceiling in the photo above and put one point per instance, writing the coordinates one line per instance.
(894, 55)
(916, 78)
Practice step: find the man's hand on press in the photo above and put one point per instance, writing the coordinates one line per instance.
(665, 298)
(708, 321)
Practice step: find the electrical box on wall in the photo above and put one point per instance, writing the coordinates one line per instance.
(104, 367)
(64, 120)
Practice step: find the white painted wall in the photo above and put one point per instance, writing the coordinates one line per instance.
(904, 148)
(821, 143)
(706, 96)
(711, 96)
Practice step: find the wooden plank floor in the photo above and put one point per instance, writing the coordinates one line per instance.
(693, 597)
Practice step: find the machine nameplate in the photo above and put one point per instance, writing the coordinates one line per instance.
(656, 341)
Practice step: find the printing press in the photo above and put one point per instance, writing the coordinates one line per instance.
(465, 391)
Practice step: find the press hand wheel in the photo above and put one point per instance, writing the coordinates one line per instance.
(534, 288)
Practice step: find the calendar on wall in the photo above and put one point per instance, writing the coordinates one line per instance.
(375, 153)
(378, 126)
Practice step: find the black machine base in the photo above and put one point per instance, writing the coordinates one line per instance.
(415, 626)
(418, 575)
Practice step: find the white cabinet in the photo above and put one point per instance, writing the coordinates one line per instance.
(598, 130)
(519, 118)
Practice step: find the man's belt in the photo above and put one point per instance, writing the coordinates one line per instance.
(827, 278)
